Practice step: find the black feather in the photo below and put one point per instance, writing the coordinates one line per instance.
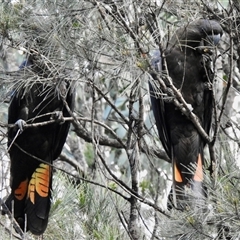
(188, 63)
(34, 149)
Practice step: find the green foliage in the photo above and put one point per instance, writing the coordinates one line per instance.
(89, 154)
(86, 42)
(83, 211)
(144, 185)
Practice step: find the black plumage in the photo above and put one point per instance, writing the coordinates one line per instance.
(34, 149)
(188, 63)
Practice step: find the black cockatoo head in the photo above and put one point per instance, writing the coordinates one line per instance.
(198, 34)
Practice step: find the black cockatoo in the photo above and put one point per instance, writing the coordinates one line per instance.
(32, 150)
(188, 63)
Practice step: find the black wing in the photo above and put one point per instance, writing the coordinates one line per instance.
(191, 73)
(33, 151)
(158, 102)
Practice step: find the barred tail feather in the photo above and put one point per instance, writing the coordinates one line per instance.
(39, 199)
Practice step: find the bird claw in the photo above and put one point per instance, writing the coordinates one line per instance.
(170, 95)
(168, 99)
(206, 58)
(20, 123)
(58, 116)
(208, 85)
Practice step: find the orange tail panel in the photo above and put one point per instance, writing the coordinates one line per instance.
(198, 176)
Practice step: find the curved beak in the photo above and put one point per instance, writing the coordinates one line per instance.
(156, 60)
(214, 38)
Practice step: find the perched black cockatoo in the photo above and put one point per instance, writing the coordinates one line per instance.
(32, 150)
(188, 63)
